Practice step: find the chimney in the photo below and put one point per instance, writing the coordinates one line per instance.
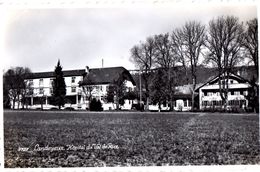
(87, 70)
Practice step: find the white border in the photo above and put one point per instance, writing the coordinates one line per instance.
(5, 5)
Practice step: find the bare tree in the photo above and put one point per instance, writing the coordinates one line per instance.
(250, 42)
(143, 57)
(166, 59)
(179, 50)
(15, 84)
(188, 43)
(225, 35)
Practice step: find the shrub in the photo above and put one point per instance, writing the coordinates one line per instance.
(95, 105)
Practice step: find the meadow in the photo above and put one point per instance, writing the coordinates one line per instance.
(88, 139)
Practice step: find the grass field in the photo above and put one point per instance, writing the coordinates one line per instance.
(129, 139)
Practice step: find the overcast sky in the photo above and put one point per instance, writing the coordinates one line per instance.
(37, 38)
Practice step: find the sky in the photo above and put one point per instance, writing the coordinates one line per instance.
(37, 38)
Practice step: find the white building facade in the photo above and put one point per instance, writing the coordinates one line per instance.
(41, 90)
(209, 95)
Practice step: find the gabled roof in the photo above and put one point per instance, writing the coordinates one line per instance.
(66, 73)
(97, 76)
(212, 80)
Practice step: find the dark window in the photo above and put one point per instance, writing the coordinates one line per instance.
(185, 103)
(41, 91)
(73, 89)
(41, 82)
(73, 79)
(31, 82)
(189, 103)
(31, 91)
(51, 91)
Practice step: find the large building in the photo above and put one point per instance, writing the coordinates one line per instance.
(209, 95)
(77, 81)
(41, 89)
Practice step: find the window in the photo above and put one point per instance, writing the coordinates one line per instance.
(185, 103)
(41, 82)
(73, 89)
(73, 79)
(231, 81)
(51, 91)
(31, 82)
(245, 93)
(205, 103)
(237, 93)
(31, 91)
(209, 94)
(51, 81)
(41, 91)
(174, 104)
(189, 103)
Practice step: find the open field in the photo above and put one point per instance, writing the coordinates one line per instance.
(73, 139)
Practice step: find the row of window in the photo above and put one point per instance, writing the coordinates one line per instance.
(220, 103)
(73, 80)
(229, 93)
(185, 103)
(41, 90)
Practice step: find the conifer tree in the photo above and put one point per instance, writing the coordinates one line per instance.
(59, 87)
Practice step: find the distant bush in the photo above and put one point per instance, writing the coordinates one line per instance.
(69, 108)
(139, 107)
(95, 105)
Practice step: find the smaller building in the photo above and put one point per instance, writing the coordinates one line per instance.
(209, 95)
(97, 82)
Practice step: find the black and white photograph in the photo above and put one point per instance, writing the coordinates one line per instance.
(130, 86)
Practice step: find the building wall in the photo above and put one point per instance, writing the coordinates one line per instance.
(99, 92)
(209, 95)
(42, 91)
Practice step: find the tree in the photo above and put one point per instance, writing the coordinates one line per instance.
(143, 57)
(250, 42)
(188, 43)
(116, 93)
(110, 94)
(166, 59)
(26, 92)
(95, 105)
(6, 97)
(252, 97)
(59, 87)
(159, 92)
(15, 85)
(120, 90)
(225, 35)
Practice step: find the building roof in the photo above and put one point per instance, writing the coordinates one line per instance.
(66, 73)
(108, 75)
(215, 79)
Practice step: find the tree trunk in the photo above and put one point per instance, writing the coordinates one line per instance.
(192, 101)
(18, 102)
(147, 104)
(14, 102)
